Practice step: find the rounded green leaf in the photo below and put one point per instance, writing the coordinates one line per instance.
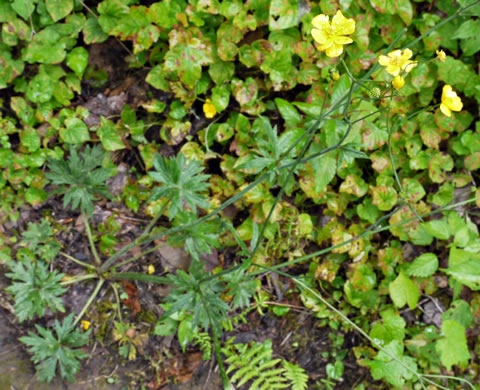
(35, 196)
(111, 139)
(77, 60)
(30, 139)
(402, 291)
(40, 89)
(220, 97)
(75, 131)
(58, 9)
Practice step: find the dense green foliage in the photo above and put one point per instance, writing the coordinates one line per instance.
(283, 154)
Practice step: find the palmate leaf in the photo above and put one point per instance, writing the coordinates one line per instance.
(34, 288)
(197, 240)
(38, 237)
(182, 181)
(241, 287)
(82, 178)
(201, 299)
(49, 350)
(272, 150)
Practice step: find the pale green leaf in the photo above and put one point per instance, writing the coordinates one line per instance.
(453, 348)
(402, 291)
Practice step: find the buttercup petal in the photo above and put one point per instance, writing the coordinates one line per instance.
(383, 60)
(409, 66)
(325, 46)
(321, 22)
(455, 104)
(319, 36)
(341, 25)
(441, 55)
(395, 54)
(339, 40)
(334, 51)
(393, 69)
(407, 54)
(447, 90)
(445, 110)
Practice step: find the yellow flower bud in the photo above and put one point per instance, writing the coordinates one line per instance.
(86, 324)
(441, 56)
(398, 82)
(209, 109)
(335, 76)
(375, 92)
(151, 269)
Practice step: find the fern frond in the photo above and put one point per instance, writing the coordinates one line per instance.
(254, 362)
(204, 340)
(296, 375)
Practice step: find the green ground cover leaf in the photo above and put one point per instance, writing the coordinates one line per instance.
(423, 266)
(187, 59)
(391, 328)
(77, 60)
(404, 291)
(75, 131)
(109, 135)
(383, 366)
(464, 266)
(283, 14)
(59, 9)
(452, 348)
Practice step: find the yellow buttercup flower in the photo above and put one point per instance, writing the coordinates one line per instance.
(332, 36)
(398, 61)
(209, 109)
(398, 82)
(450, 101)
(150, 269)
(441, 55)
(86, 324)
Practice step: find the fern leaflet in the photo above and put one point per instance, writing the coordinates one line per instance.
(254, 362)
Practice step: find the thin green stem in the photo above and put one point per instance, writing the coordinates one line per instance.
(90, 239)
(371, 230)
(218, 353)
(90, 300)
(117, 298)
(390, 154)
(451, 378)
(83, 264)
(139, 241)
(80, 278)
